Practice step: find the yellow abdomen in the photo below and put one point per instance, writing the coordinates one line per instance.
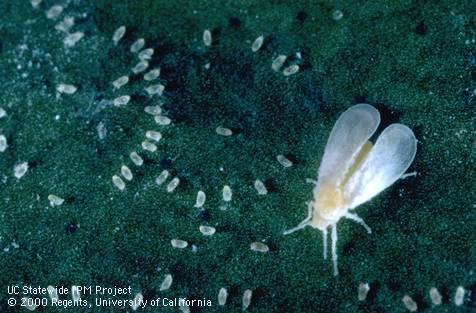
(329, 206)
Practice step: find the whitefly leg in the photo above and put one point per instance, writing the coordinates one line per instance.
(303, 223)
(358, 219)
(324, 242)
(300, 226)
(409, 175)
(334, 248)
(311, 181)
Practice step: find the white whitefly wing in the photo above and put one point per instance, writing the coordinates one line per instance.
(351, 131)
(386, 162)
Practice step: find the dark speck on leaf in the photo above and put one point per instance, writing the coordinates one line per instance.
(178, 271)
(270, 185)
(305, 65)
(98, 96)
(184, 183)
(166, 162)
(33, 164)
(420, 29)
(387, 116)
(445, 294)
(374, 288)
(216, 34)
(419, 299)
(167, 72)
(471, 296)
(394, 286)
(205, 215)
(148, 294)
(71, 228)
(135, 78)
(136, 97)
(172, 86)
(349, 248)
(70, 200)
(292, 158)
(234, 22)
(301, 16)
(148, 161)
(360, 99)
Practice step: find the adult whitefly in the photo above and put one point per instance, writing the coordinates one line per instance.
(207, 230)
(155, 89)
(3, 113)
(140, 67)
(152, 74)
(3, 143)
(121, 81)
(278, 62)
(66, 88)
(149, 146)
(162, 177)
(357, 170)
(54, 12)
(257, 43)
(153, 109)
(162, 120)
(118, 34)
(71, 39)
(126, 172)
(222, 296)
(227, 193)
(118, 182)
(207, 37)
(137, 45)
(136, 159)
(55, 200)
(153, 135)
(284, 161)
(260, 187)
(146, 54)
(259, 247)
(20, 169)
(121, 100)
(223, 131)
(290, 70)
(166, 283)
(173, 184)
(178, 243)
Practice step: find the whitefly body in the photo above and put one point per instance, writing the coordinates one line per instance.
(353, 170)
